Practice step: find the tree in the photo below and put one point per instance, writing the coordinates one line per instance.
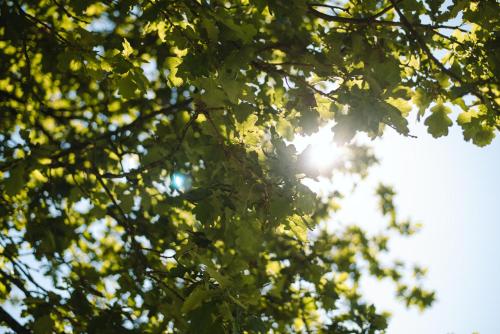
(148, 183)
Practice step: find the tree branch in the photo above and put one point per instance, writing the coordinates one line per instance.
(408, 25)
(81, 146)
(371, 20)
(156, 163)
(6, 318)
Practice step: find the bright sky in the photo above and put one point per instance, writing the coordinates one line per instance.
(451, 187)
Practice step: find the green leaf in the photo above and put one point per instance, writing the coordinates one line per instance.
(299, 227)
(379, 322)
(421, 100)
(211, 29)
(346, 127)
(120, 64)
(439, 122)
(127, 48)
(127, 202)
(358, 43)
(127, 87)
(214, 273)
(140, 79)
(248, 238)
(244, 32)
(198, 296)
(279, 207)
(43, 325)
(395, 111)
(309, 120)
(173, 64)
(213, 96)
(16, 180)
(206, 320)
(232, 87)
(475, 127)
(402, 105)
(242, 111)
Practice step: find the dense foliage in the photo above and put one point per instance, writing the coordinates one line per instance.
(147, 179)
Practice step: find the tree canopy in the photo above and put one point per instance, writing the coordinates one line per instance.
(148, 179)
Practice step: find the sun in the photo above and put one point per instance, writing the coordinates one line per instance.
(321, 152)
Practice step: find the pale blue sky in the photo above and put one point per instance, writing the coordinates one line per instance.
(451, 187)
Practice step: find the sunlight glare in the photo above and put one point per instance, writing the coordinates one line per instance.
(323, 155)
(322, 151)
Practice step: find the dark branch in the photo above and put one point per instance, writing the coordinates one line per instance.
(82, 146)
(6, 318)
(425, 48)
(371, 20)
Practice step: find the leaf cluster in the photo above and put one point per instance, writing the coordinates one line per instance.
(147, 179)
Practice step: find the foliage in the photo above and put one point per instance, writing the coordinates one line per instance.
(172, 121)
